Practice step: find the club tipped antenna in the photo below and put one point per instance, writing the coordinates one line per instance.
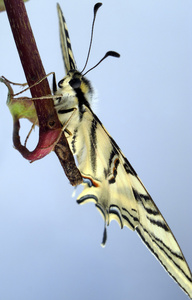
(109, 53)
(96, 7)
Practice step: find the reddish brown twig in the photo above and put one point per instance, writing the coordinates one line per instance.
(50, 130)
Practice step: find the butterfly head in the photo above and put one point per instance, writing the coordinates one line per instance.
(74, 89)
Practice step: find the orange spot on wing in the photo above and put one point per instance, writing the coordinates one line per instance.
(94, 183)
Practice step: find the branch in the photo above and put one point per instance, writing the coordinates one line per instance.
(50, 131)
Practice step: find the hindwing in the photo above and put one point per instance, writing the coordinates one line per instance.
(111, 182)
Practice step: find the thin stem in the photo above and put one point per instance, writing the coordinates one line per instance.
(50, 130)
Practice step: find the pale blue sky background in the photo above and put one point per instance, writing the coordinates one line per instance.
(49, 246)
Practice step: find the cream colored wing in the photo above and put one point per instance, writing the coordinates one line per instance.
(111, 182)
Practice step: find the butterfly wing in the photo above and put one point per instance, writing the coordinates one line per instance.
(68, 57)
(111, 182)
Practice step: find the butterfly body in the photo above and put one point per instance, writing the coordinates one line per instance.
(108, 178)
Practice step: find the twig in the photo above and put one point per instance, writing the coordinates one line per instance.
(50, 131)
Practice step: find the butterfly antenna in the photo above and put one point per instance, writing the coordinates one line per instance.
(96, 7)
(109, 53)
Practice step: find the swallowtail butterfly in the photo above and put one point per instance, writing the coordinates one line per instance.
(109, 179)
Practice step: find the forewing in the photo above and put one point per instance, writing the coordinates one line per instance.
(68, 58)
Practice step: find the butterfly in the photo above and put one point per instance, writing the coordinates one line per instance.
(109, 180)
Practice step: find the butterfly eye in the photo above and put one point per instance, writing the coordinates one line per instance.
(60, 83)
(75, 83)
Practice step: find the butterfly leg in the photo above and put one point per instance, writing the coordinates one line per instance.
(68, 132)
(36, 83)
(13, 83)
(68, 121)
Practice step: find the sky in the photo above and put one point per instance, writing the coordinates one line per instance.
(50, 246)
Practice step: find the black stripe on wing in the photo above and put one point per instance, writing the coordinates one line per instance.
(74, 138)
(129, 217)
(115, 165)
(114, 209)
(93, 138)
